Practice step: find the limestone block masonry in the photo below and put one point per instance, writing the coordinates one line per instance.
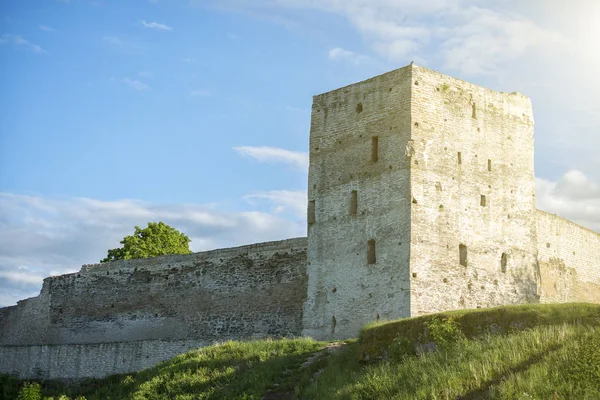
(123, 309)
(421, 198)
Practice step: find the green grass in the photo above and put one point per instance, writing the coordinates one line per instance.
(515, 352)
(546, 362)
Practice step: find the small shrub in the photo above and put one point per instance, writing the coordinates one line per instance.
(401, 348)
(445, 332)
(30, 391)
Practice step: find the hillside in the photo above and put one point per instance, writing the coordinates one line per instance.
(515, 352)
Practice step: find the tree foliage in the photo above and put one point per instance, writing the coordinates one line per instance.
(155, 240)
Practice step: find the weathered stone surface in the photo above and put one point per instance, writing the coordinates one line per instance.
(493, 132)
(569, 257)
(345, 291)
(240, 293)
(96, 360)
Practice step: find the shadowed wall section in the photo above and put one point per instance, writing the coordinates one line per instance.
(246, 292)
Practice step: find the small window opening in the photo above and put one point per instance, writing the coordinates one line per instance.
(503, 261)
(311, 212)
(375, 148)
(359, 108)
(489, 165)
(474, 114)
(482, 201)
(462, 252)
(353, 202)
(459, 158)
(371, 256)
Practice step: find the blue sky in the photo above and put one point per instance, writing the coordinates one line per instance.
(196, 113)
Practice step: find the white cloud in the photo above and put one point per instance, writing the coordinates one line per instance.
(337, 53)
(137, 85)
(22, 277)
(574, 196)
(156, 25)
(46, 28)
(16, 40)
(294, 201)
(275, 155)
(43, 236)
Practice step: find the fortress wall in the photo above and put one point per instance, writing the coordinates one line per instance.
(493, 132)
(235, 293)
(75, 361)
(345, 291)
(569, 258)
(28, 320)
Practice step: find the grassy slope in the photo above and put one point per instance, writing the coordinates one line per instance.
(516, 352)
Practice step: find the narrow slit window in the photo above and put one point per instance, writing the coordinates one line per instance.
(503, 262)
(482, 201)
(353, 202)
(375, 148)
(371, 253)
(474, 111)
(462, 253)
(489, 165)
(311, 212)
(459, 158)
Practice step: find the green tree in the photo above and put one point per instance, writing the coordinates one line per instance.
(156, 240)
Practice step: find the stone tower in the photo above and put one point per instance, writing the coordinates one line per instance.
(421, 199)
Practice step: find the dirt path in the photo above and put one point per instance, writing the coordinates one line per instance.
(276, 393)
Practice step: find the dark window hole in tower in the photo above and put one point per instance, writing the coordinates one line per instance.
(333, 290)
(375, 148)
(416, 124)
(353, 202)
(414, 201)
(462, 253)
(459, 158)
(489, 165)
(333, 324)
(377, 317)
(474, 114)
(371, 252)
(503, 261)
(482, 201)
(359, 108)
(414, 274)
(311, 212)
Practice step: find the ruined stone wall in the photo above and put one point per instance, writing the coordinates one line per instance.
(236, 293)
(359, 206)
(472, 188)
(96, 360)
(569, 258)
